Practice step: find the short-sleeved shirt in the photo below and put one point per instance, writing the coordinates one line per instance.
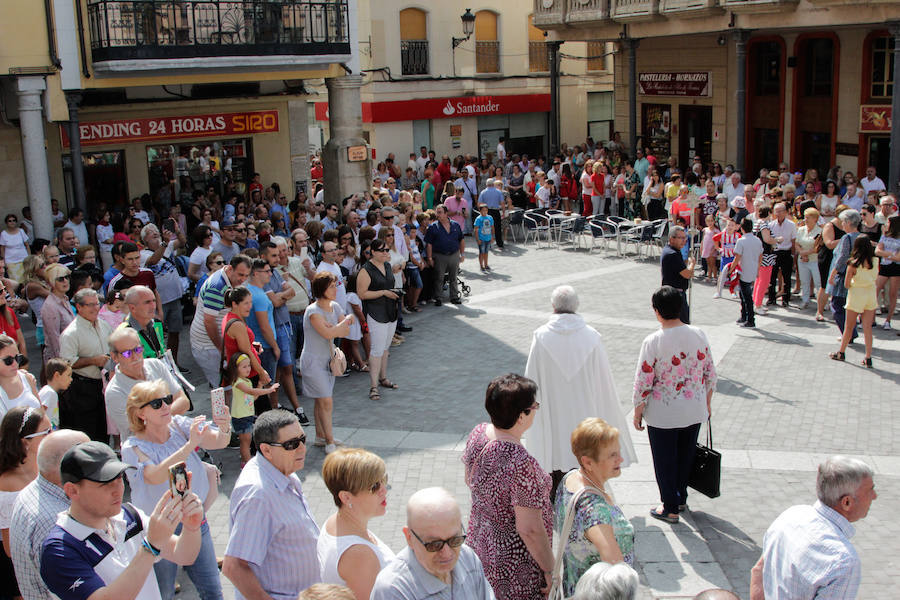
(50, 401)
(261, 303)
(211, 301)
(83, 339)
(34, 515)
(11, 327)
(143, 277)
(276, 284)
(484, 225)
(787, 229)
(77, 560)
(120, 385)
(443, 241)
(750, 248)
(273, 530)
(404, 578)
(228, 252)
(672, 264)
(168, 281)
(492, 197)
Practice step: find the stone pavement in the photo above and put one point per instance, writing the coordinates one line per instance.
(780, 407)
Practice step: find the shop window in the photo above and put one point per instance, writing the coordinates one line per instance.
(538, 59)
(596, 59)
(189, 166)
(768, 68)
(818, 64)
(882, 67)
(413, 42)
(487, 45)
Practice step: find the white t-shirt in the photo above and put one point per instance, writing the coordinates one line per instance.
(198, 257)
(334, 269)
(50, 402)
(14, 250)
(874, 185)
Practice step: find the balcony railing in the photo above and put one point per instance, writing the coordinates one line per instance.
(759, 6)
(552, 15)
(487, 57)
(687, 8)
(634, 10)
(538, 58)
(164, 29)
(414, 57)
(581, 11)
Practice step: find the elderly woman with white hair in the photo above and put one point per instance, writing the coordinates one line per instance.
(568, 362)
(604, 581)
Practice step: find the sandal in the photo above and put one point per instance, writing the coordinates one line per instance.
(385, 382)
(663, 516)
(836, 356)
(373, 394)
(360, 368)
(820, 318)
(867, 362)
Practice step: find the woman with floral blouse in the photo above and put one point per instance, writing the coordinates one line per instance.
(673, 387)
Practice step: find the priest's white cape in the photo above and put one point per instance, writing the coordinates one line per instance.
(570, 366)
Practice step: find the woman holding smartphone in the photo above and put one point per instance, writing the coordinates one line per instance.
(161, 441)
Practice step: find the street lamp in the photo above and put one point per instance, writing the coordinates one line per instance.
(468, 23)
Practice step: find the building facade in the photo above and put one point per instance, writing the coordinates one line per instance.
(427, 84)
(160, 95)
(748, 82)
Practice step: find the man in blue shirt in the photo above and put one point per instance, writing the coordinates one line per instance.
(444, 246)
(492, 196)
(262, 318)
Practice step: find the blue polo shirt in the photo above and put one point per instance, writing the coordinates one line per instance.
(443, 241)
(261, 303)
(276, 284)
(492, 197)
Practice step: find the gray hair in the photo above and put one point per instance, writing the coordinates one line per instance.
(147, 230)
(119, 334)
(721, 197)
(53, 448)
(489, 182)
(83, 294)
(716, 594)
(675, 231)
(851, 217)
(604, 581)
(267, 426)
(840, 476)
(564, 299)
(131, 296)
(278, 240)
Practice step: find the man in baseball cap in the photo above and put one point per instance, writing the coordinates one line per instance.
(101, 543)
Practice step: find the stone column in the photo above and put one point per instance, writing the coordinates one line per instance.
(632, 44)
(73, 99)
(31, 124)
(343, 177)
(740, 95)
(553, 58)
(894, 172)
(299, 131)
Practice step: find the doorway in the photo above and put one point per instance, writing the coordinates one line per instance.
(695, 134)
(488, 140)
(104, 180)
(880, 156)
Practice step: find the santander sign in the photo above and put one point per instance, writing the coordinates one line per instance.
(446, 108)
(475, 106)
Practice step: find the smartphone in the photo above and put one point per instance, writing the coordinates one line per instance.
(169, 225)
(178, 479)
(304, 252)
(217, 399)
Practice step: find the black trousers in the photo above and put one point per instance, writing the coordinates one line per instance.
(784, 262)
(498, 226)
(82, 408)
(685, 315)
(746, 294)
(673, 453)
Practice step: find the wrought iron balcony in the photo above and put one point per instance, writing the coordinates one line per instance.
(634, 10)
(689, 8)
(586, 11)
(487, 57)
(414, 57)
(538, 57)
(190, 29)
(759, 6)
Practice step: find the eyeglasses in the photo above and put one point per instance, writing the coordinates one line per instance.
(264, 271)
(387, 217)
(157, 403)
(90, 304)
(376, 487)
(534, 406)
(241, 229)
(63, 278)
(18, 358)
(289, 445)
(435, 545)
(11, 220)
(218, 262)
(36, 434)
(138, 351)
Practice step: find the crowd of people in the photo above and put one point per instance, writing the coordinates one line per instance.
(283, 297)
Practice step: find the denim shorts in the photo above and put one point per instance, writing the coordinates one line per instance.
(414, 278)
(484, 247)
(283, 337)
(243, 424)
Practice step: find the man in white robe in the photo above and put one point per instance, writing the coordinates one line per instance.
(569, 364)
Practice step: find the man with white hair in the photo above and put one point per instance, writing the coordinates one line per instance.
(436, 562)
(35, 512)
(733, 186)
(604, 580)
(807, 551)
(568, 362)
(492, 196)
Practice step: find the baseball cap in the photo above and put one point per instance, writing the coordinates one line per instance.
(94, 461)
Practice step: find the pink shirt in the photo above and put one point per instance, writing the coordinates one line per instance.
(454, 205)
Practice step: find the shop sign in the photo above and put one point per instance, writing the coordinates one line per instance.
(675, 84)
(123, 131)
(356, 153)
(874, 118)
(445, 108)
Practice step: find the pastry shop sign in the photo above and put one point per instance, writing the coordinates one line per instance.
(697, 83)
(120, 131)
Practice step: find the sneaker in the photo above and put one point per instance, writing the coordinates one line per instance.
(748, 325)
(886, 326)
(329, 448)
(487, 268)
(717, 295)
(804, 304)
(762, 310)
(301, 416)
(438, 302)
(741, 321)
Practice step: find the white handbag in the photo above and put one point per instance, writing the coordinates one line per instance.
(556, 588)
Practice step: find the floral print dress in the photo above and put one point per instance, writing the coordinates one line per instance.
(502, 475)
(580, 553)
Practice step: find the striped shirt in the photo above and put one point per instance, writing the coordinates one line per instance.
(33, 516)
(273, 530)
(210, 301)
(727, 241)
(807, 554)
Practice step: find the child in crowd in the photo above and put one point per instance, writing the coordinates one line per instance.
(352, 341)
(237, 375)
(113, 312)
(725, 241)
(708, 250)
(59, 377)
(484, 226)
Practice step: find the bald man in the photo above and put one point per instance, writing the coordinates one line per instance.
(716, 594)
(35, 512)
(436, 563)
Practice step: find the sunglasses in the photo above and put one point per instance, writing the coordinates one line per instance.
(138, 351)
(380, 250)
(8, 360)
(11, 220)
(534, 406)
(289, 445)
(157, 403)
(376, 487)
(36, 434)
(435, 545)
(218, 262)
(63, 278)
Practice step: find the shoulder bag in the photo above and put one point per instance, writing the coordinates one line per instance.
(706, 474)
(338, 362)
(556, 588)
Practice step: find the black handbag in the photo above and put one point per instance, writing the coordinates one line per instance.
(706, 474)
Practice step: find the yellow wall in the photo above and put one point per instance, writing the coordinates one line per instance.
(23, 35)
